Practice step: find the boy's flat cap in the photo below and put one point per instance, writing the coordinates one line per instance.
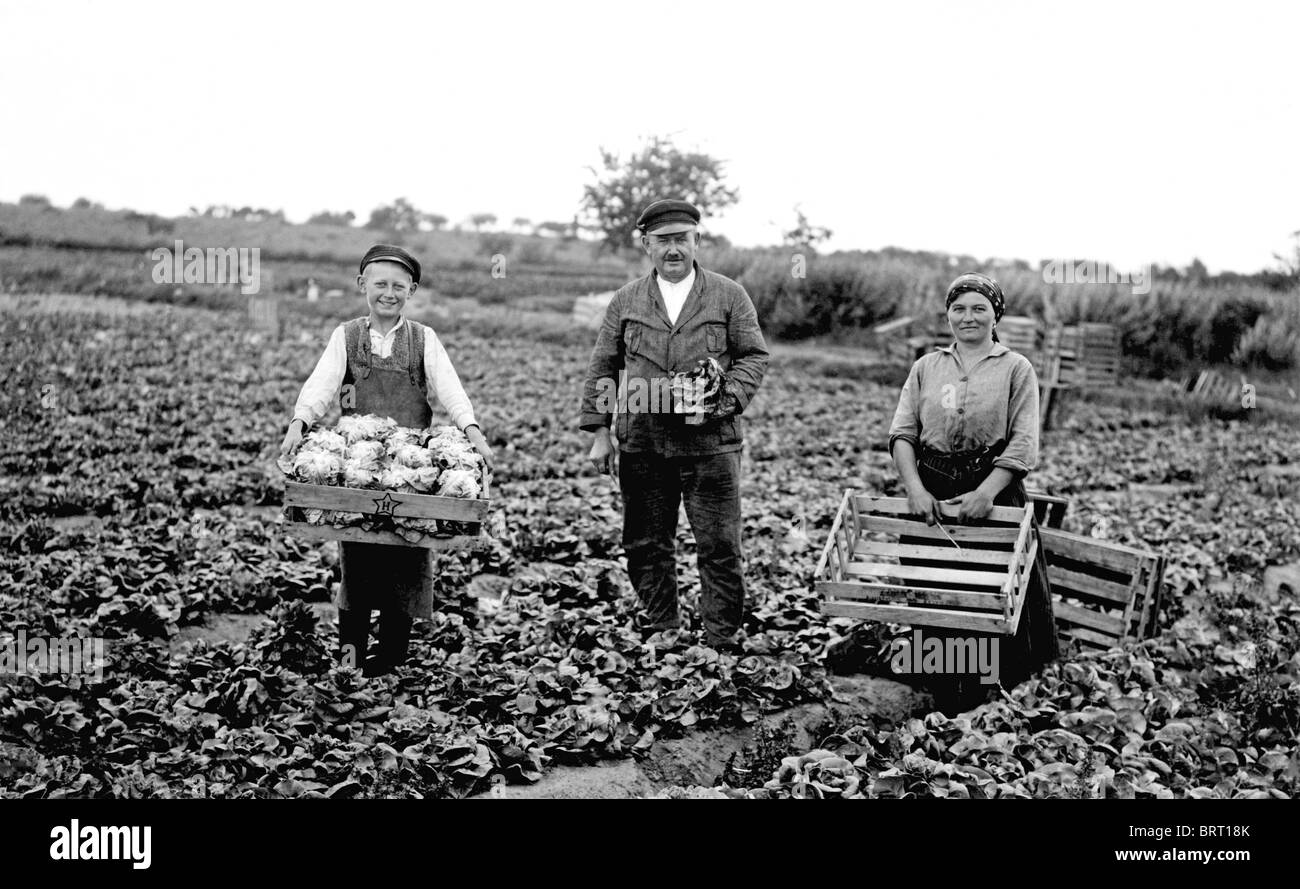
(392, 253)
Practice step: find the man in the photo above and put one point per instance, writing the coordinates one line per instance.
(387, 365)
(656, 326)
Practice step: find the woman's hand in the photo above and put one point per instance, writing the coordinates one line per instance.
(922, 504)
(972, 506)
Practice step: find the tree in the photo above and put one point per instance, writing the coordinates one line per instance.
(86, 204)
(436, 221)
(34, 200)
(400, 216)
(805, 234)
(480, 220)
(623, 188)
(325, 217)
(522, 223)
(552, 229)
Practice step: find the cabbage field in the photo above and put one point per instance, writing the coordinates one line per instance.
(141, 498)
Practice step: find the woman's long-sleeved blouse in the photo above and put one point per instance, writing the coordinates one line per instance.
(952, 409)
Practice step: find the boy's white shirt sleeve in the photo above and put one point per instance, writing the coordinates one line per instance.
(322, 387)
(443, 381)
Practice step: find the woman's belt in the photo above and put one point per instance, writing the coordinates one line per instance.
(961, 464)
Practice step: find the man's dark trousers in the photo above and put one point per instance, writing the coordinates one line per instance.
(653, 488)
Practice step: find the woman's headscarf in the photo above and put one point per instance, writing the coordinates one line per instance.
(983, 285)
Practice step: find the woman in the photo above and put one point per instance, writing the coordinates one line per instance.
(966, 432)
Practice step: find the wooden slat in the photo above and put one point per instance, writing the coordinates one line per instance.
(844, 541)
(1135, 590)
(1016, 605)
(1020, 590)
(830, 539)
(358, 535)
(960, 533)
(1091, 586)
(898, 506)
(942, 553)
(889, 327)
(925, 617)
(885, 593)
(1101, 553)
(1045, 497)
(1155, 596)
(1051, 506)
(1026, 523)
(419, 506)
(1095, 639)
(993, 579)
(1085, 617)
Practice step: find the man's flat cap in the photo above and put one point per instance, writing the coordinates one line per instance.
(392, 253)
(682, 215)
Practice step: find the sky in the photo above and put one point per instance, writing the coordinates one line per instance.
(1126, 132)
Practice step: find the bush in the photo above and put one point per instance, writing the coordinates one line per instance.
(532, 251)
(496, 242)
(1273, 343)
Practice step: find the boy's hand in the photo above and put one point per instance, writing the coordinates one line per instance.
(475, 436)
(292, 438)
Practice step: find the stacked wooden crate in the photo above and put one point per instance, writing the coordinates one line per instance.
(1083, 355)
(1078, 356)
(264, 313)
(1022, 334)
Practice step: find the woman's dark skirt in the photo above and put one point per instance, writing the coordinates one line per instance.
(1035, 643)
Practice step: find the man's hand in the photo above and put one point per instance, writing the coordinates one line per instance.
(922, 504)
(972, 506)
(724, 403)
(475, 436)
(603, 456)
(292, 438)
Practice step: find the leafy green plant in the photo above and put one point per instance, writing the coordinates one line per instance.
(291, 638)
(755, 764)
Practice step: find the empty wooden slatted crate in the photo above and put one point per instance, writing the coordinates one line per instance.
(882, 565)
(1103, 592)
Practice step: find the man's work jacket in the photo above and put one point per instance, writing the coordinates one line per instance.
(717, 321)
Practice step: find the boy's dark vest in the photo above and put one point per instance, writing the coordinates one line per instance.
(388, 387)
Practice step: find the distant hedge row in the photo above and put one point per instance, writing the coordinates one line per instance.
(1174, 325)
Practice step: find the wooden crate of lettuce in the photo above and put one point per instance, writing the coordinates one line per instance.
(368, 480)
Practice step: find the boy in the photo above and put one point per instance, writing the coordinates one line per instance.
(391, 365)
